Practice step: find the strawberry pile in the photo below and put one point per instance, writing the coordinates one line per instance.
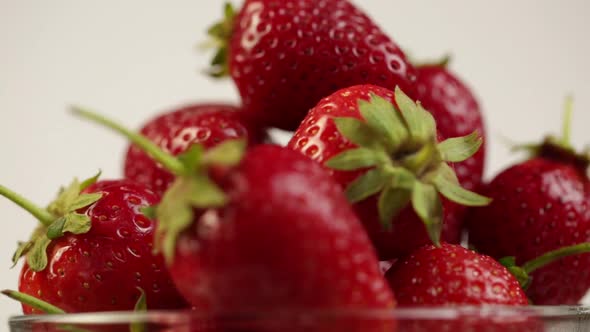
(384, 168)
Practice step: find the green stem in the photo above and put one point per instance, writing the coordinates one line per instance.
(33, 302)
(567, 122)
(42, 215)
(168, 161)
(555, 255)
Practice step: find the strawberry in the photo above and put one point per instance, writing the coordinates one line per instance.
(451, 275)
(457, 113)
(284, 56)
(273, 230)
(175, 131)
(387, 158)
(540, 205)
(93, 250)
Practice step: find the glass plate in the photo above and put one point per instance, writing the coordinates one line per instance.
(459, 319)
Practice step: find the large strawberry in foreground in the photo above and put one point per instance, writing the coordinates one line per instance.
(261, 230)
(93, 250)
(284, 56)
(540, 205)
(383, 148)
(175, 131)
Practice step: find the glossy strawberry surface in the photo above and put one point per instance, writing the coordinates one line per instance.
(319, 138)
(284, 56)
(101, 270)
(175, 131)
(286, 240)
(455, 276)
(538, 205)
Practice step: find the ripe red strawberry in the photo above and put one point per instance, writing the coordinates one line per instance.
(284, 56)
(93, 250)
(451, 275)
(272, 231)
(456, 112)
(539, 205)
(386, 159)
(174, 132)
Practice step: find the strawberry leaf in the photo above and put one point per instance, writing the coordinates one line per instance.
(228, 153)
(384, 119)
(65, 199)
(84, 200)
(428, 207)
(37, 256)
(358, 132)
(355, 159)
(420, 122)
(391, 202)
(21, 250)
(518, 272)
(90, 181)
(56, 229)
(191, 158)
(401, 178)
(366, 185)
(150, 212)
(176, 210)
(460, 148)
(77, 223)
(458, 194)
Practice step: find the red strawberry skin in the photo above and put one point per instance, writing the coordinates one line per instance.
(457, 113)
(287, 240)
(284, 56)
(319, 139)
(101, 270)
(538, 206)
(175, 131)
(453, 276)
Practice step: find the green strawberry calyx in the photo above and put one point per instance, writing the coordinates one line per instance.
(559, 148)
(219, 37)
(522, 273)
(59, 217)
(406, 164)
(192, 188)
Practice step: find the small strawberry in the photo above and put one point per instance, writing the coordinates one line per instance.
(540, 205)
(284, 56)
(93, 250)
(451, 275)
(382, 147)
(174, 132)
(272, 231)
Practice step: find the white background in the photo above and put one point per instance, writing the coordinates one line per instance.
(132, 59)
